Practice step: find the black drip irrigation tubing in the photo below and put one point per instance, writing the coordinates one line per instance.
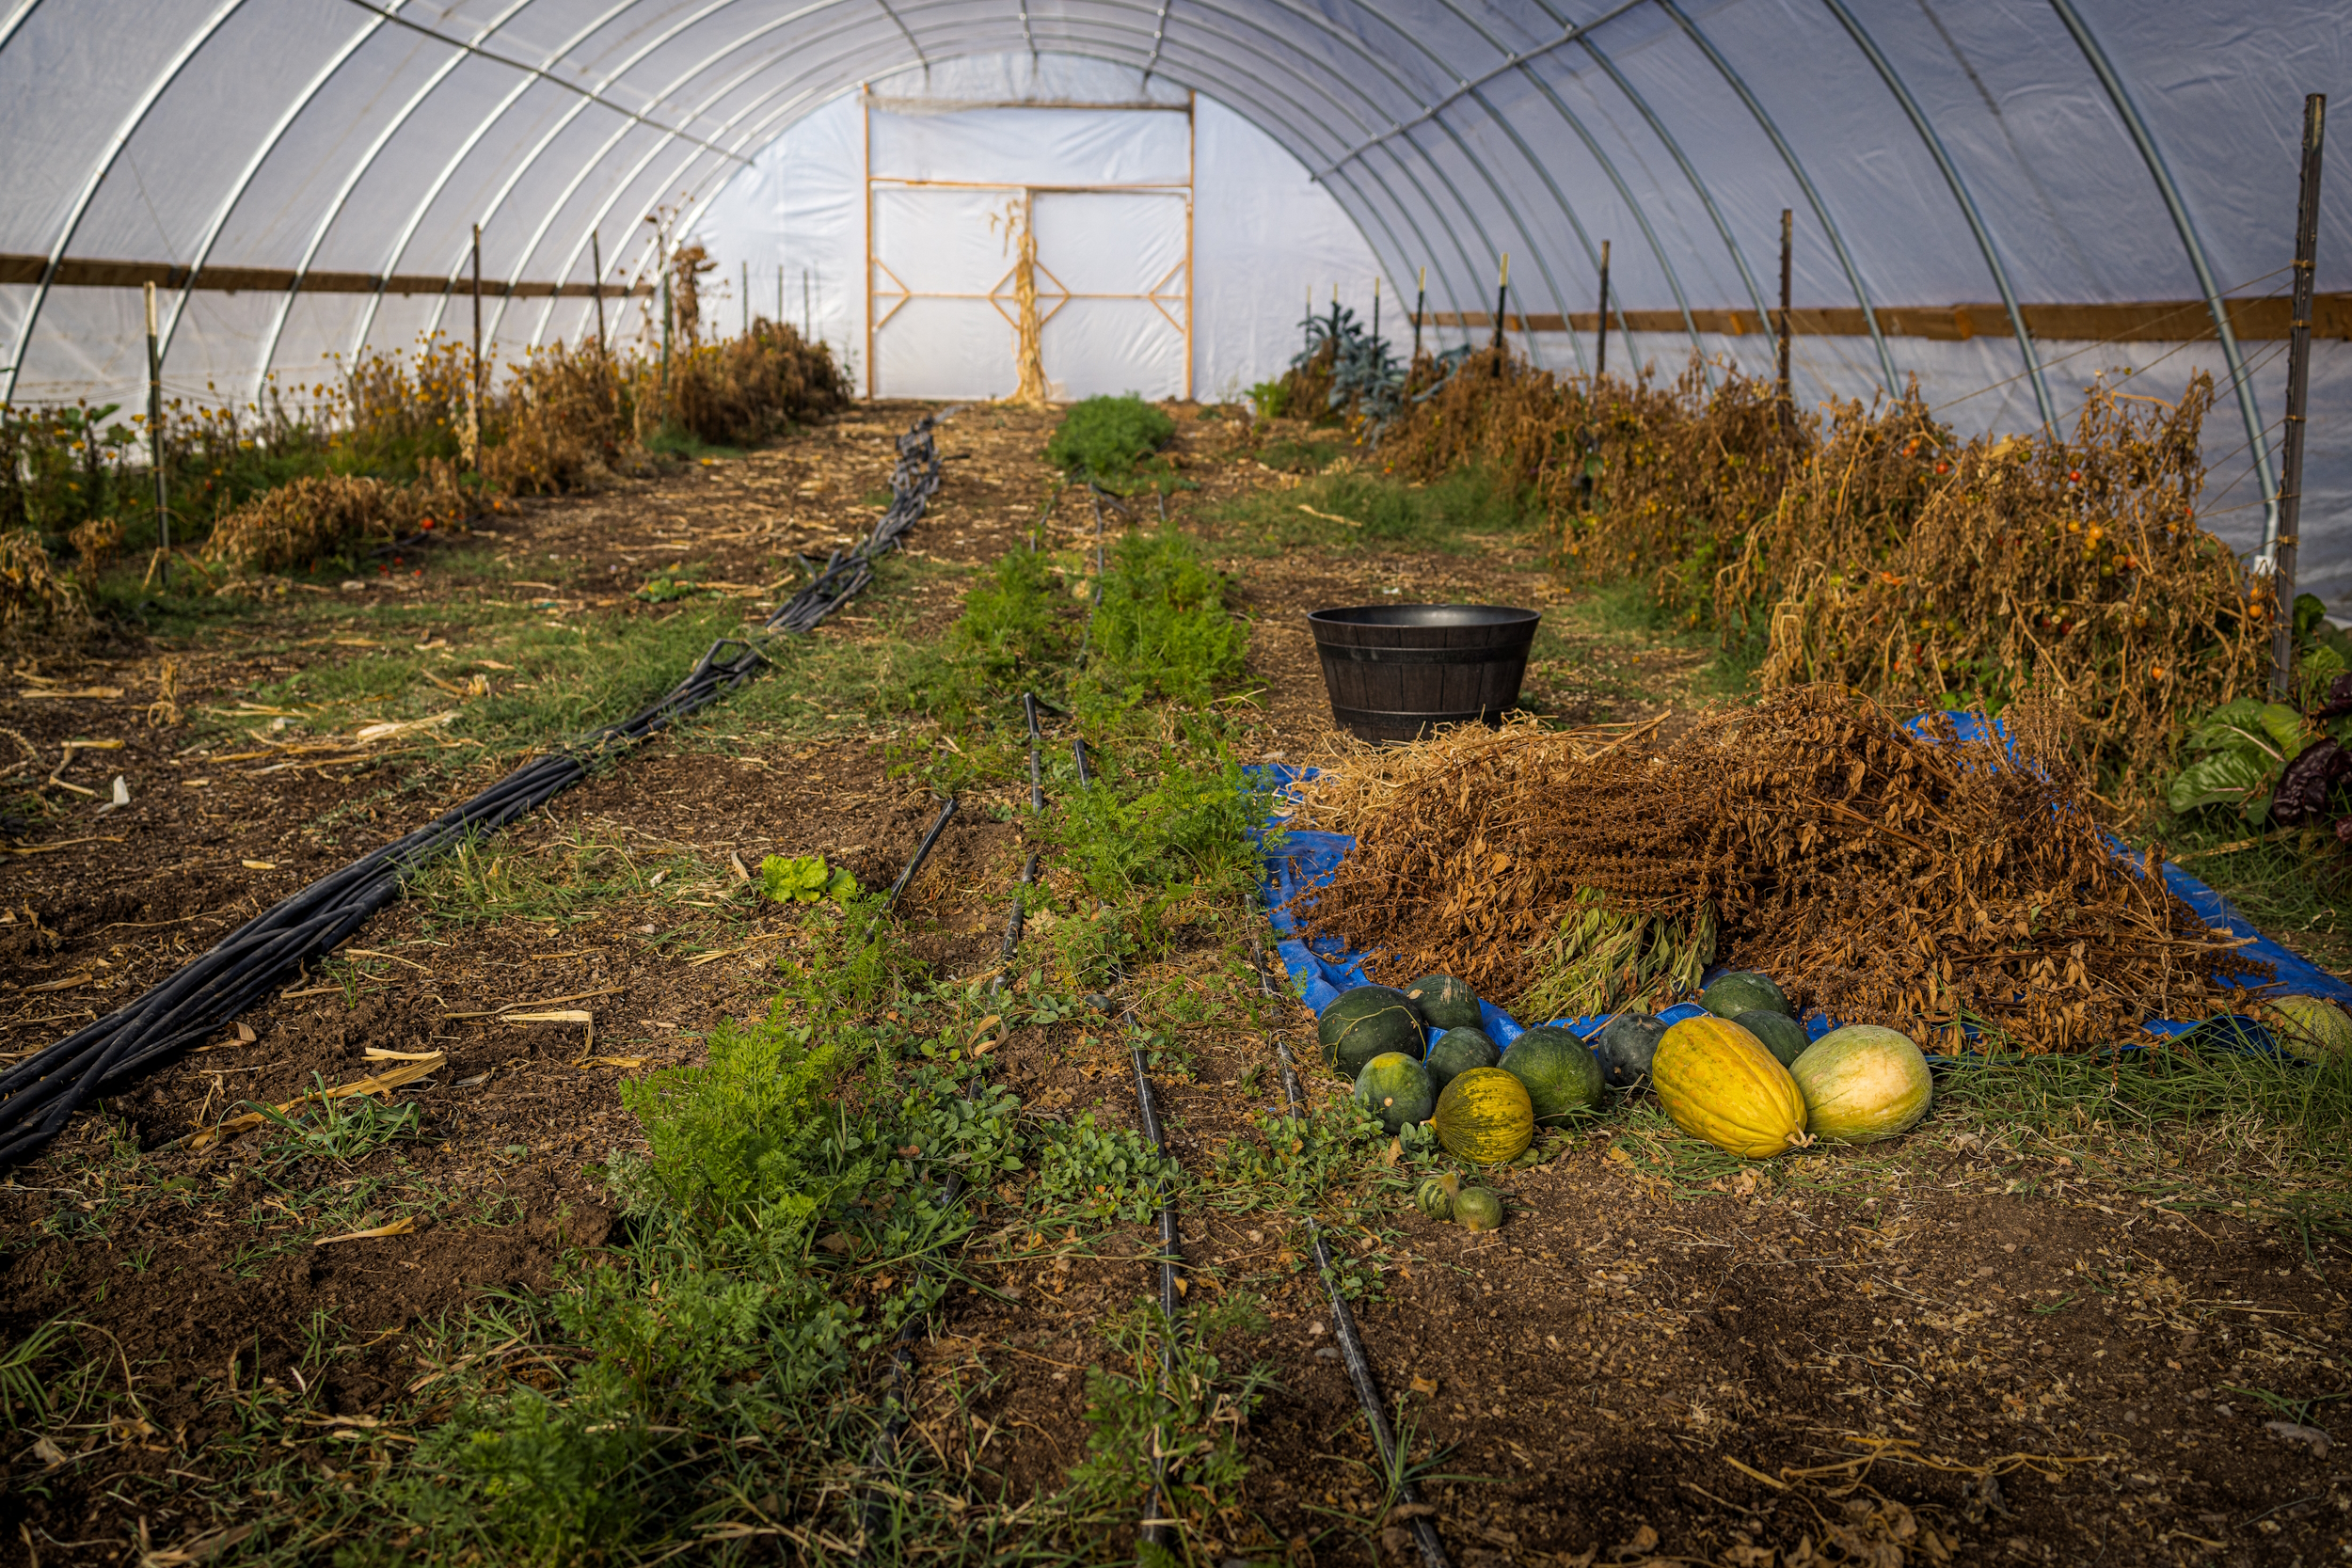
(897, 1402)
(1352, 1353)
(41, 1094)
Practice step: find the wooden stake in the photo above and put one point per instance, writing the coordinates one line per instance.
(1788, 407)
(596, 259)
(155, 437)
(1375, 318)
(1502, 297)
(747, 299)
(2299, 388)
(1601, 359)
(1421, 299)
(473, 412)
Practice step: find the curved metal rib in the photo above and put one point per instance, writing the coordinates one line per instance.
(1886, 68)
(2192, 242)
(1804, 182)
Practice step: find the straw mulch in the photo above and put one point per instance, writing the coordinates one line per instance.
(1922, 883)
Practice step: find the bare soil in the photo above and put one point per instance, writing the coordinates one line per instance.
(1919, 1370)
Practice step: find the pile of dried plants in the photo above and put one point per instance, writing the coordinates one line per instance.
(1872, 546)
(1925, 882)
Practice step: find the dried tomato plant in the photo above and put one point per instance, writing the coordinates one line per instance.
(1927, 882)
(1870, 546)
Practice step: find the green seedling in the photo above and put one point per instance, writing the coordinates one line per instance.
(805, 880)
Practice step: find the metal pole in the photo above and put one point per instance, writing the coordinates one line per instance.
(473, 412)
(1788, 408)
(1601, 359)
(1503, 295)
(2299, 386)
(747, 299)
(1375, 318)
(808, 310)
(1420, 300)
(596, 259)
(779, 293)
(665, 241)
(155, 438)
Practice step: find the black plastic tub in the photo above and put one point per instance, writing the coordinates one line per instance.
(1393, 671)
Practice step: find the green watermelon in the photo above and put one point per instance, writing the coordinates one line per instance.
(1364, 1021)
(1559, 1070)
(1456, 1051)
(1742, 990)
(1781, 1035)
(1626, 1043)
(1445, 1002)
(1396, 1089)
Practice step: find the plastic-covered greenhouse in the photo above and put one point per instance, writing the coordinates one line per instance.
(2000, 201)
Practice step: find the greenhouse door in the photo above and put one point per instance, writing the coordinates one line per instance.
(1105, 192)
(1114, 293)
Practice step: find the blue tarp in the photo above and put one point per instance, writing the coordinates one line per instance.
(1297, 860)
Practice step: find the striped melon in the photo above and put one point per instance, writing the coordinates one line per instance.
(2310, 1027)
(1718, 1082)
(1862, 1083)
(1484, 1115)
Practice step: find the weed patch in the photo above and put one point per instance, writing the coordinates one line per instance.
(1109, 442)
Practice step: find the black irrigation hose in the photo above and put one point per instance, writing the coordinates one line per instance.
(1352, 1353)
(922, 852)
(41, 1094)
(1157, 1526)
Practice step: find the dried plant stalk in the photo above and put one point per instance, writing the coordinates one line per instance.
(1926, 882)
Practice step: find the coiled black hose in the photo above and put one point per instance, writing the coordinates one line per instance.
(41, 1094)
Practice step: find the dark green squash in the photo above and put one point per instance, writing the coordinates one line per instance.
(1559, 1071)
(1445, 1002)
(1365, 1022)
(1627, 1043)
(1456, 1051)
(1779, 1034)
(1396, 1089)
(1743, 990)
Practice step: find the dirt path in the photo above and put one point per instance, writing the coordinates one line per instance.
(1940, 1355)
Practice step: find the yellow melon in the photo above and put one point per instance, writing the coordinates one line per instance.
(1719, 1082)
(1485, 1116)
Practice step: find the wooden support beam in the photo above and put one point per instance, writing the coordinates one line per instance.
(2160, 322)
(81, 273)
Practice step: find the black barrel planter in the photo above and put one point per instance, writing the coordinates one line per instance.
(1394, 669)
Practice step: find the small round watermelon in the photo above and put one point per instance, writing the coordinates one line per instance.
(1627, 1043)
(2310, 1027)
(1364, 1021)
(1456, 1051)
(1396, 1089)
(1743, 990)
(1781, 1035)
(1559, 1071)
(1445, 1002)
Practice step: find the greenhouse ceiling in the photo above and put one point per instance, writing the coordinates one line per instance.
(2027, 174)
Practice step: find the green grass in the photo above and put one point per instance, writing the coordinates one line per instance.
(2294, 883)
(1357, 510)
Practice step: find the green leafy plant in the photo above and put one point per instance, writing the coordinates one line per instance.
(805, 880)
(1106, 439)
(1178, 1423)
(1271, 399)
(345, 1128)
(2239, 749)
(1163, 628)
(1087, 1171)
(671, 584)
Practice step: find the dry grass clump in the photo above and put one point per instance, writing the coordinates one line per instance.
(742, 390)
(2071, 566)
(564, 424)
(310, 517)
(33, 598)
(1923, 883)
(1874, 548)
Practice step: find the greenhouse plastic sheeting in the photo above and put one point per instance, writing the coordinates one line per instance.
(1936, 155)
(1298, 860)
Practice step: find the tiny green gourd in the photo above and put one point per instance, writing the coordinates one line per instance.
(1477, 1209)
(1435, 1198)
